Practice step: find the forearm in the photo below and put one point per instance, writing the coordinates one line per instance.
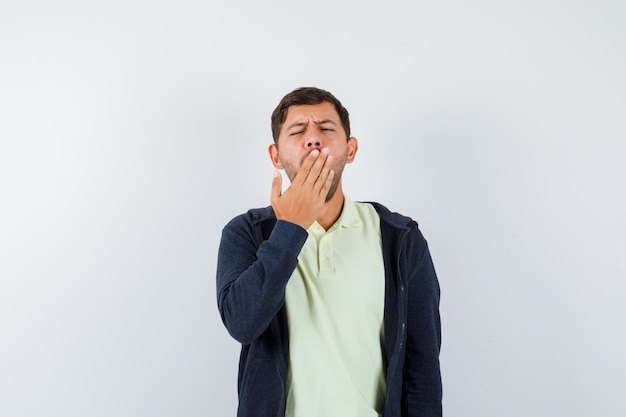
(251, 281)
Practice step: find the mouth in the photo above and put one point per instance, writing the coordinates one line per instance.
(307, 155)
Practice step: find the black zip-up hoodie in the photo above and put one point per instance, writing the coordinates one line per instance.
(257, 256)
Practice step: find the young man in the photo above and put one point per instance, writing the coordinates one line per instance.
(335, 303)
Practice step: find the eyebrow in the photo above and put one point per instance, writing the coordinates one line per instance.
(299, 124)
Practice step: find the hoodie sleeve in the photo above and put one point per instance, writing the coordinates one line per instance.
(251, 278)
(422, 389)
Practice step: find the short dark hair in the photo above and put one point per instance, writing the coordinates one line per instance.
(304, 96)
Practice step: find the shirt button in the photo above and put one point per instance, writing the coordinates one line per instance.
(325, 260)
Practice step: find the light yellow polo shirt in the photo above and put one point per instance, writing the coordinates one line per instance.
(335, 302)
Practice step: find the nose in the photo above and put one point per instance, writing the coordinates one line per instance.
(312, 139)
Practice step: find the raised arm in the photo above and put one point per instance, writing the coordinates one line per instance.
(252, 269)
(251, 277)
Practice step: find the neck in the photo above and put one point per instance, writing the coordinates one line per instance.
(332, 209)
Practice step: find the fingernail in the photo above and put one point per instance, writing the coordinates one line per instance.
(315, 152)
(325, 151)
(329, 159)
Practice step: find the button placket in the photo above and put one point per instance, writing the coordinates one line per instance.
(325, 256)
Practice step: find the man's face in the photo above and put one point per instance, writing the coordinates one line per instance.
(310, 127)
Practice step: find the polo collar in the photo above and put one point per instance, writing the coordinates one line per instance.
(349, 215)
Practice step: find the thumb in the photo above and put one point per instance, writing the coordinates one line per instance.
(277, 186)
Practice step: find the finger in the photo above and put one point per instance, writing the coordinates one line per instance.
(323, 175)
(318, 166)
(304, 171)
(327, 184)
(277, 186)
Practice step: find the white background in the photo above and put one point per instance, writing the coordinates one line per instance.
(132, 131)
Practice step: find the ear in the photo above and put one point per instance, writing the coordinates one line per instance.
(353, 146)
(273, 150)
